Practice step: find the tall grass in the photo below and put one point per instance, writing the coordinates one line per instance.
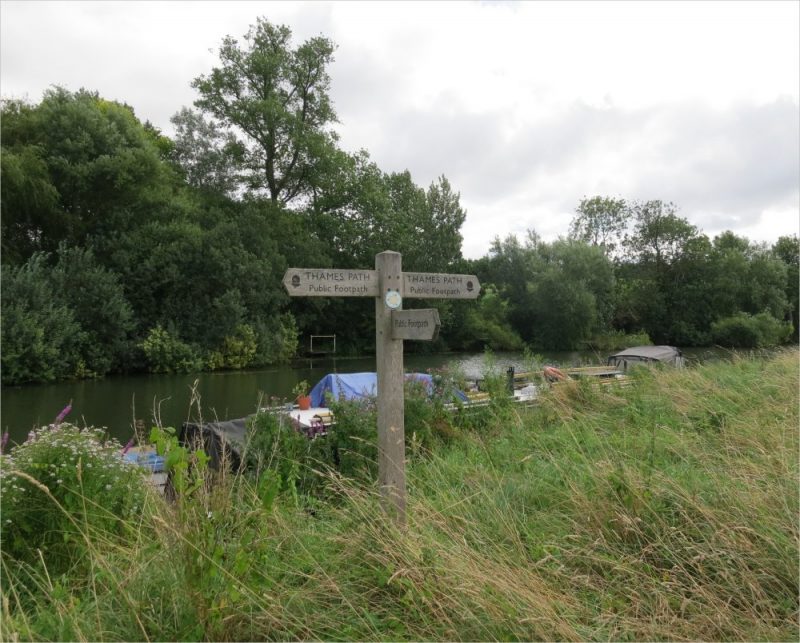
(664, 510)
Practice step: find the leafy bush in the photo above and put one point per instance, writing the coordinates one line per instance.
(352, 443)
(427, 421)
(237, 351)
(40, 335)
(276, 340)
(60, 485)
(277, 451)
(166, 353)
(95, 296)
(750, 331)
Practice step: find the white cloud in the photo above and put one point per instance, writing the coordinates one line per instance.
(525, 107)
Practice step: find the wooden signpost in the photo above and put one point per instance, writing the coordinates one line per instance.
(389, 285)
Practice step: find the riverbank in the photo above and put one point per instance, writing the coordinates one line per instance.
(664, 510)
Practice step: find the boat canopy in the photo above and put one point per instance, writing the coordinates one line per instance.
(355, 386)
(644, 354)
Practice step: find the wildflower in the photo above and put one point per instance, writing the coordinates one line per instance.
(127, 446)
(64, 413)
(3, 442)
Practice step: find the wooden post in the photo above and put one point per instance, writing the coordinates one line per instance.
(388, 285)
(389, 357)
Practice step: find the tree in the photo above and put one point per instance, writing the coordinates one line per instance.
(95, 297)
(571, 293)
(40, 335)
(666, 263)
(207, 154)
(787, 249)
(600, 221)
(80, 169)
(660, 235)
(29, 203)
(274, 100)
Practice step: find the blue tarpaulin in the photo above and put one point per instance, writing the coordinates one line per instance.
(355, 386)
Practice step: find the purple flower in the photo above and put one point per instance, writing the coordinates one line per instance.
(4, 442)
(64, 413)
(127, 446)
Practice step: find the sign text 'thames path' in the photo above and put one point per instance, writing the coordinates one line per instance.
(434, 285)
(338, 282)
(331, 282)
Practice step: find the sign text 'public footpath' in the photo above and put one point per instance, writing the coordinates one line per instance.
(389, 285)
(422, 324)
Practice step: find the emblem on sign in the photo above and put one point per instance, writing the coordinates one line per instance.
(295, 281)
(393, 299)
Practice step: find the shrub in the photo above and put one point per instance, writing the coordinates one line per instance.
(166, 353)
(40, 335)
(276, 340)
(276, 450)
(747, 331)
(61, 484)
(237, 351)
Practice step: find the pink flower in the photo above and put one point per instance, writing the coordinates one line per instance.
(64, 413)
(127, 446)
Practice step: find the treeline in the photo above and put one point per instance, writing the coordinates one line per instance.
(126, 250)
(640, 270)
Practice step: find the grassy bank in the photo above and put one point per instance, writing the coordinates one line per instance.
(664, 510)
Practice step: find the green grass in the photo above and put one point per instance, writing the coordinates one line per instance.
(664, 510)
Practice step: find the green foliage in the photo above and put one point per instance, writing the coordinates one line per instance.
(239, 349)
(662, 510)
(62, 489)
(484, 324)
(600, 221)
(275, 98)
(276, 340)
(750, 331)
(787, 249)
(95, 167)
(40, 335)
(166, 353)
(96, 298)
(279, 454)
(186, 468)
(70, 319)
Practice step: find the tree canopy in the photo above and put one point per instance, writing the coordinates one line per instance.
(125, 249)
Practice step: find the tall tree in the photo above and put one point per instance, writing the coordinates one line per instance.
(274, 99)
(787, 249)
(207, 154)
(600, 221)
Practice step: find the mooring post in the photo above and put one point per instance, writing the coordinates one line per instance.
(389, 357)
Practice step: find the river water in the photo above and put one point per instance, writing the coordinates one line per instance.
(114, 402)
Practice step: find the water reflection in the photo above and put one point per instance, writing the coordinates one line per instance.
(116, 402)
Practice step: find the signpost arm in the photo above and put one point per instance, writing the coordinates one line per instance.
(389, 358)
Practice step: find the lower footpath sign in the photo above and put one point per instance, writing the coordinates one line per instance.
(388, 284)
(421, 324)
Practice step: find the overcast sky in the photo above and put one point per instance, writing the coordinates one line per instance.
(525, 107)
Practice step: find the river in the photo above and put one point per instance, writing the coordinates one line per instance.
(115, 401)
